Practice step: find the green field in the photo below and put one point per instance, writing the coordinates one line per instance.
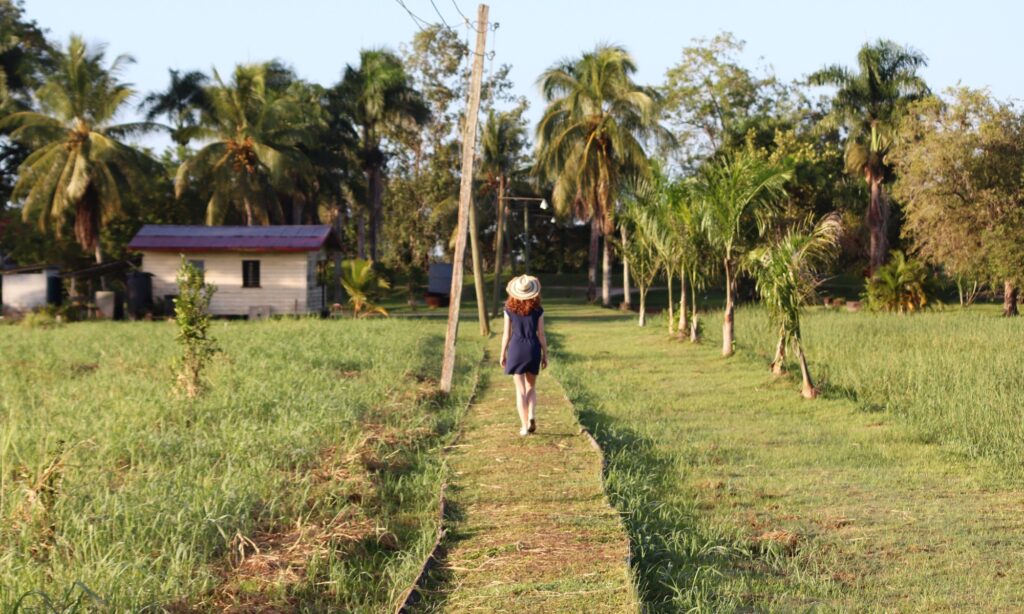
(895, 491)
(307, 474)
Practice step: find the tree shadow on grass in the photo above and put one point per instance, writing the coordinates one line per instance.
(679, 562)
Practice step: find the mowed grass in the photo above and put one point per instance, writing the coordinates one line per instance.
(740, 496)
(305, 479)
(955, 374)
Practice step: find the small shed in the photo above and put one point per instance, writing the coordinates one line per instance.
(30, 287)
(273, 269)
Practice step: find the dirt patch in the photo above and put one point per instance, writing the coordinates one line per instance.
(788, 540)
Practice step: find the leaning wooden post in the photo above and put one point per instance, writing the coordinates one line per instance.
(465, 200)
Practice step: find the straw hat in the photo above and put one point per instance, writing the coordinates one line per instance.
(523, 287)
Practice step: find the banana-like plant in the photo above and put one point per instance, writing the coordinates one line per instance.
(364, 286)
(787, 272)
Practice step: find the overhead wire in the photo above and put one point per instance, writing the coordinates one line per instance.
(416, 19)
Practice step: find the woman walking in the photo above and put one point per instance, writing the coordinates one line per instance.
(524, 348)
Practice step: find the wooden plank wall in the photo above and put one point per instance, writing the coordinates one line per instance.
(283, 280)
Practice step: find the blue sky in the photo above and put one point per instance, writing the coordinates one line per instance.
(977, 43)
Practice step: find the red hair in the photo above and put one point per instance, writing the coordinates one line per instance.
(522, 307)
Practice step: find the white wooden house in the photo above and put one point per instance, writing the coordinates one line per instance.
(273, 269)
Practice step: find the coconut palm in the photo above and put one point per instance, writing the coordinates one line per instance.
(868, 104)
(502, 144)
(786, 273)
(181, 103)
(590, 137)
(255, 149)
(363, 286)
(381, 99)
(738, 193)
(79, 164)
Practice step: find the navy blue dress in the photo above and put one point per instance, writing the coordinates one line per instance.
(523, 346)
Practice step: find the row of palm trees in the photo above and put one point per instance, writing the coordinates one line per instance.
(599, 126)
(276, 149)
(719, 223)
(272, 147)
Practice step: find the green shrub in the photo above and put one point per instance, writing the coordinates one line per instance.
(899, 286)
(191, 312)
(39, 319)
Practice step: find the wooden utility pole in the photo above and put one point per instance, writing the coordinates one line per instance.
(465, 199)
(478, 272)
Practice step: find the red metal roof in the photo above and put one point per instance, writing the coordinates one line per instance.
(168, 238)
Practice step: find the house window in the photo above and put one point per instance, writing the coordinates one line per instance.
(250, 273)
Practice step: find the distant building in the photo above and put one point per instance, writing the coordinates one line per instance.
(31, 287)
(270, 269)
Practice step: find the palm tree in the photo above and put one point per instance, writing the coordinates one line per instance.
(79, 165)
(868, 104)
(255, 152)
(786, 274)
(182, 102)
(502, 143)
(738, 192)
(646, 236)
(685, 218)
(382, 99)
(649, 205)
(590, 136)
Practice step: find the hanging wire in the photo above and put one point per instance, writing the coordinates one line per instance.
(469, 23)
(443, 20)
(416, 19)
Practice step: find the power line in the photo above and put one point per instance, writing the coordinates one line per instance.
(416, 19)
(443, 20)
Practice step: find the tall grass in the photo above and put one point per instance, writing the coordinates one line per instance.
(111, 483)
(954, 374)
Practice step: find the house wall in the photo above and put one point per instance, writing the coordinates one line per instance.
(283, 280)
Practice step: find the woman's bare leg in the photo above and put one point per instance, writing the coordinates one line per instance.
(521, 398)
(531, 395)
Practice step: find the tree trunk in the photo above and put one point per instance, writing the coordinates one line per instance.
(361, 234)
(626, 292)
(98, 253)
(671, 307)
(499, 236)
(877, 221)
(780, 355)
(606, 274)
(807, 389)
(478, 271)
(377, 209)
(1010, 292)
(642, 320)
(694, 327)
(595, 237)
(681, 332)
(250, 216)
(730, 308)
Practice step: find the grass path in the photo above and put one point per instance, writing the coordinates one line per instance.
(530, 530)
(740, 496)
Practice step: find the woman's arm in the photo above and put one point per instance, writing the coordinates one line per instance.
(543, 342)
(506, 333)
